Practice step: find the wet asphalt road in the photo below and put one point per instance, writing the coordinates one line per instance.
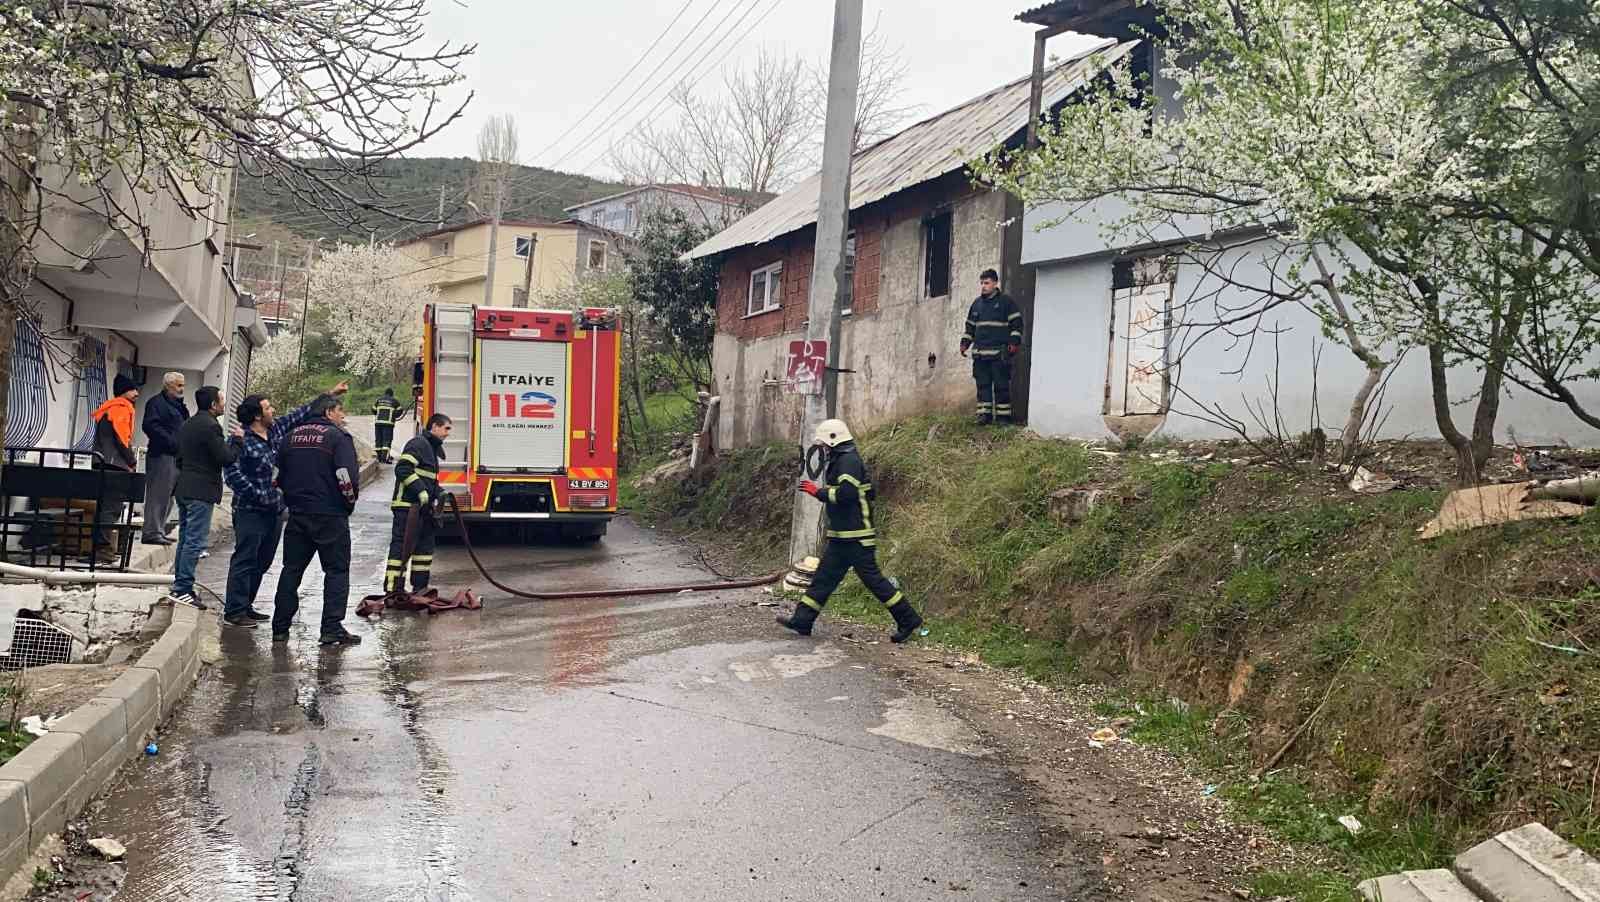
(665, 748)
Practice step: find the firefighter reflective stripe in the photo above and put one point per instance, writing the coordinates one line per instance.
(425, 474)
(1016, 328)
(994, 322)
(852, 533)
(986, 352)
(810, 603)
(409, 458)
(898, 597)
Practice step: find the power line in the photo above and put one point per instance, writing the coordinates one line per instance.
(613, 89)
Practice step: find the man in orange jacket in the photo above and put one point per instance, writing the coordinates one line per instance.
(113, 446)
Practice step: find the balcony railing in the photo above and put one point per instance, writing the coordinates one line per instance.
(60, 511)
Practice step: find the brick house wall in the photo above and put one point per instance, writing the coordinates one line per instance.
(900, 344)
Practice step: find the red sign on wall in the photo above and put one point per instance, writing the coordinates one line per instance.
(808, 361)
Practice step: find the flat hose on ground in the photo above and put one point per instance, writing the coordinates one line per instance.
(466, 539)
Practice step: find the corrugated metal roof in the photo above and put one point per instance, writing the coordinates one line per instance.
(921, 153)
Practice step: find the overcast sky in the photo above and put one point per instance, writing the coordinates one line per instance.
(549, 62)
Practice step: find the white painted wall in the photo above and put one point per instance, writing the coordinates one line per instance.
(1070, 341)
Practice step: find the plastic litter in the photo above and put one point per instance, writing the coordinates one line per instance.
(152, 750)
(34, 725)
(1350, 823)
(109, 849)
(1104, 734)
(923, 633)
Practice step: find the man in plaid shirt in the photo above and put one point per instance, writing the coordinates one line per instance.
(257, 503)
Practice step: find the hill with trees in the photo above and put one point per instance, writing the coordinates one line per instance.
(412, 188)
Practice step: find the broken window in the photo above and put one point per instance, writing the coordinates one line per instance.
(847, 291)
(765, 285)
(597, 256)
(523, 245)
(937, 234)
(439, 247)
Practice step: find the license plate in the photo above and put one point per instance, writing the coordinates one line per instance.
(590, 483)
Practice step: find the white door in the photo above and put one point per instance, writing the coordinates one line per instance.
(1136, 377)
(522, 415)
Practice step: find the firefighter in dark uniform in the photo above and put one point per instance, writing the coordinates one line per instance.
(993, 336)
(319, 476)
(416, 487)
(852, 538)
(386, 409)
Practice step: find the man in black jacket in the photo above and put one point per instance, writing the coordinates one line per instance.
(416, 487)
(852, 538)
(994, 336)
(320, 479)
(202, 453)
(164, 415)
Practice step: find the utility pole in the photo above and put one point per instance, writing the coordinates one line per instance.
(527, 271)
(305, 309)
(827, 273)
(494, 237)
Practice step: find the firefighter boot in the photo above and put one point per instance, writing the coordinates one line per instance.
(906, 619)
(800, 621)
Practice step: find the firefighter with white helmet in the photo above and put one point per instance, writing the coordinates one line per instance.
(852, 537)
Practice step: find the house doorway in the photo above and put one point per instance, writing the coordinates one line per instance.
(1138, 388)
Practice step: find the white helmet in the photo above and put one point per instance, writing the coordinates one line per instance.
(832, 433)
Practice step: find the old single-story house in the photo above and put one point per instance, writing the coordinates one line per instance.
(1124, 363)
(920, 234)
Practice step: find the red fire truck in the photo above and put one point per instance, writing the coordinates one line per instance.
(534, 395)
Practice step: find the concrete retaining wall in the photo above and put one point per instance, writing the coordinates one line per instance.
(51, 780)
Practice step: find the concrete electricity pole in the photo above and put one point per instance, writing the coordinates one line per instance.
(827, 274)
(527, 270)
(494, 238)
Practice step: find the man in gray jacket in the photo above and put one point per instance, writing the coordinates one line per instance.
(202, 453)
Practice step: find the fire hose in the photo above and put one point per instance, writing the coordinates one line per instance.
(466, 540)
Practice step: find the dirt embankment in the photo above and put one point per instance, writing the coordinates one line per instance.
(1444, 688)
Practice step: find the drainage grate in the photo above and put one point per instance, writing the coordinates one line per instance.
(35, 643)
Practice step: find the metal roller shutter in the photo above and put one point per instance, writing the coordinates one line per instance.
(238, 376)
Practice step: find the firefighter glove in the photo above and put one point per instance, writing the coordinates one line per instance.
(965, 344)
(1012, 349)
(810, 488)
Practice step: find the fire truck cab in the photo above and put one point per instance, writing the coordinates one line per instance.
(534, 397)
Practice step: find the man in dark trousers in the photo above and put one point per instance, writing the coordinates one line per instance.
(386, 410)
(416, 488)
(202, 453)
(852, 538)
(994, 336)
(113, 446)
(257, 502)
(164, 415)
(320, 478)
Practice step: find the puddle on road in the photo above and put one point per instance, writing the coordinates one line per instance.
(919, 721)
(787, 667)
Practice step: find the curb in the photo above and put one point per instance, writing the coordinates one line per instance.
(51, 780)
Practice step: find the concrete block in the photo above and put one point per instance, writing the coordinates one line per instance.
(1417, 886)
(139, 691)
(102, 725)
(166, 659)
(127, 599)
(1069, 506)
(14, 837)
(139, 731)
(50, 767)
(1530, 864)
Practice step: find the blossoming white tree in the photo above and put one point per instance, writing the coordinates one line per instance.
(1316, 134)
(370, 300)
(112, 109)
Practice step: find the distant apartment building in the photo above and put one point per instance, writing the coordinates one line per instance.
(624, 213)
(456, 260)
